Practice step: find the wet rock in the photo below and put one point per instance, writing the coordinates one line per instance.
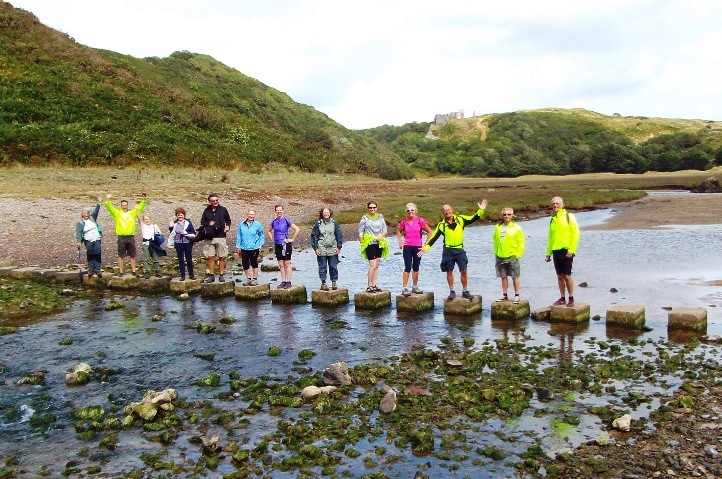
(454, 363)
(183, 297)
(543, 394)
(612, 290)
(210, 445)
(388, 403)
(714, 339)
(35, 378)
(203, 328)
(310, 393)
(541, 314)
(583, 284)
(274, 351)
(623, 423)
(160, 397)
(327, 389)
(145, 410)
(81, 375)
(603, 440)
(68, 292)
(710, 451)
(337, 375)
(156, 318)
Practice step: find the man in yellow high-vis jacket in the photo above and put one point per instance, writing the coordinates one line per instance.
(508, 248)
(562, 247)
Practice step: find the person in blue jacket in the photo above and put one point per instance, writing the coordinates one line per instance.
(326, 241)
(249, 239)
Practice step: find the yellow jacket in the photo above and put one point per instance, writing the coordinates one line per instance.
(383, 245)
(563, 232)
(513, 242)
(125, 220)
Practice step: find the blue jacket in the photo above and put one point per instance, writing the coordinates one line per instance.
(249, 236)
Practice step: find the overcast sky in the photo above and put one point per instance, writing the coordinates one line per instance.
(369, 63)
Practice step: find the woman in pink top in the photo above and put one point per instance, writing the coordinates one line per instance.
(409, 234)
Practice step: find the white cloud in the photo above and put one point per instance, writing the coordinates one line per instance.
(371, 63)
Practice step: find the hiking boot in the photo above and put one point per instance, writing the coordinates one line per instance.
(405, 292)
(158, 275)
(324, 287)
(570, 302)
(135, 273)
(333, 286)
(466, 295)
(247, 282)
(288, 285)
(192, 277)
(183, 278)
(254, 282)
(560, 302)
(146, 276)
(119, 274)
(416, 290)
(99, 274)
(210, 279)
(282, 285)
(221, 278)
(452, 295)
(516, 299)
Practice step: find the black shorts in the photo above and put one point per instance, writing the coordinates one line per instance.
(562, 264)
(126, 246)
(451, 256)
(283, 251)
(373, 251)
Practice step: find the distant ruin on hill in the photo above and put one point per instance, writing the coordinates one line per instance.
(440, 119)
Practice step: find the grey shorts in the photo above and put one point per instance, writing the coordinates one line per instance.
(215, 247)
(508, 267)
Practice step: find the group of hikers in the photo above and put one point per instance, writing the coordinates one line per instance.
(326, 242)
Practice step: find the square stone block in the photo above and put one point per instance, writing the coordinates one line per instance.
(69, 276)
(6, 270)
(127, 281)
(292, 295)
(628, 316)
(510, 310)
(188, 286)
(29, 272)
(415, 303)
(570, 314)
(329, 298)
(217, 289)
(687, 319)
(462, 306)
(375, 300)
(252, 293)
(155, 285)
(46, 275)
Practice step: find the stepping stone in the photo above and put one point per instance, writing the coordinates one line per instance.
(217, 289)
(68, 276)
(463, 307)
(46, 275)
(26, 273)
(510, 310)
(415, 303)
(127, 281)
(330, 297)
(292, 295)
(188, 286)
(154, 285)
(570, 314)
(687, 319)
(6, 270)
(252, 293)
(375, 300)
(627, 316)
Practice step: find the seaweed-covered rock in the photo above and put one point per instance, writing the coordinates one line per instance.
(81, 375)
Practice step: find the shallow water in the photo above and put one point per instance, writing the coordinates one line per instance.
(664, 267)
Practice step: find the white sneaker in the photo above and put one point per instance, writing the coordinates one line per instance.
(516, 299)
(405, 292)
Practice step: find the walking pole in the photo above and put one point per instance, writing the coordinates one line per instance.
(80, 270)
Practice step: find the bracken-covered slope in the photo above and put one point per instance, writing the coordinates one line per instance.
(62, 102)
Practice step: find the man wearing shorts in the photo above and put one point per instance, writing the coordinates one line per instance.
(217, 222)
(508, 248)
(278, 232)
(452, 229)
(125, 230)
(562, 247)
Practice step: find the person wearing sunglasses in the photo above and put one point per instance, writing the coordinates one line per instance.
(372, 237)
(409, 234)
(508, 248)
(451, 227)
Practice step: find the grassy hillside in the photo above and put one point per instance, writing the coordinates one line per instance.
(61, 102)
(555, 141)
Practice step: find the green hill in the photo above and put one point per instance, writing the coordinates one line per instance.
(554, 141)
(65, 103)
